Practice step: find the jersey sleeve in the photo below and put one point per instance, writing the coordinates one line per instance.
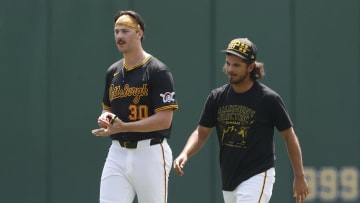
(106, 104)
(281, 117)
(163, 90)
(208, 116)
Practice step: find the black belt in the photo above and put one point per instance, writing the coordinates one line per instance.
(133, 144)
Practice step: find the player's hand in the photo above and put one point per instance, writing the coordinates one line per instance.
(179, 164)
(301, 189)
(108, 123)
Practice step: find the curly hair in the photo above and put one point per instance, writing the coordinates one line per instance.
(258, 71)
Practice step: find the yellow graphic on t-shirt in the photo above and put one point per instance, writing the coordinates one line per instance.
(235, 122)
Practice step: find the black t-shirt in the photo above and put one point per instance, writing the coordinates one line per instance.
(135, 94)
(245, 128)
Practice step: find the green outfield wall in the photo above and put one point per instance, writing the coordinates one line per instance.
(53, 58)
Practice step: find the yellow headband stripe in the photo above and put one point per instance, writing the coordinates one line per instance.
(127, 21)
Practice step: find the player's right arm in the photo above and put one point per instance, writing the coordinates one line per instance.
(194, 143)
(300, 186)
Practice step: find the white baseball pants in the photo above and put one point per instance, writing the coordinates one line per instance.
(257, 189)
(143, 171)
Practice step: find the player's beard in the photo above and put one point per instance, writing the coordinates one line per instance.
(237, 79)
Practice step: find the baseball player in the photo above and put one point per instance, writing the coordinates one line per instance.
(244, 113)
(138, 105)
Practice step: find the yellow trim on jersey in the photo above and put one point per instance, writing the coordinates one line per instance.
(173, 106)
(105, 107)
(137, 65)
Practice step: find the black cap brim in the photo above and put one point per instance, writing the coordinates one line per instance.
(234, 53)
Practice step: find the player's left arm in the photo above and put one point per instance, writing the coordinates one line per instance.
(159, 121)
(300, 187)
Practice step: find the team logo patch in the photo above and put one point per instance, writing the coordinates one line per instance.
(168, 97)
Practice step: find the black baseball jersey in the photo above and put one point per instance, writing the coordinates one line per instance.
(135, 94)
(245, 128)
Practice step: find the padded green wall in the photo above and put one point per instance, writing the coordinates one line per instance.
(53, 58)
